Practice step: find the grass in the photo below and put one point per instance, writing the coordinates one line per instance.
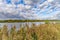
(40, 32)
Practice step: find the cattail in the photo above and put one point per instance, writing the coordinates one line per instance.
(4, 33)
(20, 32)
(0, 34)
(13, 33)
(40, 32)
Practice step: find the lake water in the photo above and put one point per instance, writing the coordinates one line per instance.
(18, 24)
(23, 23)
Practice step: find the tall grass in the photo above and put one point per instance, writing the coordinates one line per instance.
(39, 32)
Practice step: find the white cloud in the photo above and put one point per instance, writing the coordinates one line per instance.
(21, 7)
(27, 1)
(27, 6)
(28, 12)
(15, 1)
(57, 1)
(50, 0)
(32, 2)
(43, 5)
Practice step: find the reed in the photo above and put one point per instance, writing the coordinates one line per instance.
(39, 32)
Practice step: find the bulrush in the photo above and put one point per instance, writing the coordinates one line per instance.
(0, 34)
(4, 33)
(39, 32)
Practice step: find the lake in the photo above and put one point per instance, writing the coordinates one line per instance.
(18, 24)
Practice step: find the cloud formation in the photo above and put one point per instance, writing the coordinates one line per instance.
(30, 9)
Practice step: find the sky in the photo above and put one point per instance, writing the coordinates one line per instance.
(30, 9)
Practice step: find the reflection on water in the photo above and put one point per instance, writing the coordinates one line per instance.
(18, 24)
(23, 23)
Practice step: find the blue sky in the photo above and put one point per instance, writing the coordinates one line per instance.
(30, 9)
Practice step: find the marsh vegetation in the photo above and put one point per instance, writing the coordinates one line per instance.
(45, 31)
